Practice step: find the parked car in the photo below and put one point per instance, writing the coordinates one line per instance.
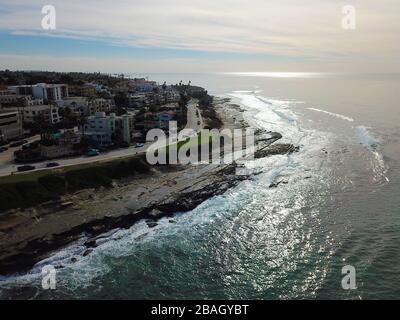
(25, 168)
(26, 146)
(92, 153)
(52, 164)
(2, 149)
(139, 145)
(18, 143)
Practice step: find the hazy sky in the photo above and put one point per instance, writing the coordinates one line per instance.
(200, 36)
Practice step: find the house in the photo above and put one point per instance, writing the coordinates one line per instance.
(159, 120)
(63, 146)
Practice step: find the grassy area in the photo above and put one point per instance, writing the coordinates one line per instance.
(33, 188)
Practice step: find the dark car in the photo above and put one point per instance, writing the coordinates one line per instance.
(18, 143)
(52, 164)
(2, 149)
(25, 168)
(92, 153)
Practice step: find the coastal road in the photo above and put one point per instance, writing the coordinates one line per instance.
(11, 168)
(7, 167)
(194, 118)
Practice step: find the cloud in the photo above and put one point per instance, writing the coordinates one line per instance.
(290, 28)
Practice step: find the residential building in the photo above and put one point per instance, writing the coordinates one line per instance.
(100, 105)
(63, 147)
(49, 112)
(10, 125)
(84, 106)
(158, 120)
(86, 90)
(7, 98)
(78, 105)
(101, 129)
(47, 92)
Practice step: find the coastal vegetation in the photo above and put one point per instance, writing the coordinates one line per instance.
(26, 190)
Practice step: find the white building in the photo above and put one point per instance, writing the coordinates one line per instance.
(78, 105)
(47, 92)
(49, 112)
(50, 92)
(10, 125)
(101, 128)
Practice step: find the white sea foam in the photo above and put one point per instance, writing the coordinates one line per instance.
(366, 138)
(260, 112)
(337, 115)
(370, 142)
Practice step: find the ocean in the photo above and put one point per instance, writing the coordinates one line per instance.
(339, 206)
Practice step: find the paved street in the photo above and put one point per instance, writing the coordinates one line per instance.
(7, 167)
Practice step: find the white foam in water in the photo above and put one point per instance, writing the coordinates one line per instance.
(337, 115)
(260, 112)
(370, 142)
(366, 138)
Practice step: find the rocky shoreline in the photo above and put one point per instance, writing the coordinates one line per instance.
(95, 213)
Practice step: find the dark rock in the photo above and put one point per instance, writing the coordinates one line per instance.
(91, 243)
(152, 224)
(87, 252)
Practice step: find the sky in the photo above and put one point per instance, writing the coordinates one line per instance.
(134, 36)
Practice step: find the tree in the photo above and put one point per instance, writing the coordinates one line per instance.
(121, 99)
(69, 118)
(42, 126)
(82, 121)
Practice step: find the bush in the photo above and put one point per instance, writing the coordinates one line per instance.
(50, 187)
(9, 197)
(32, 193)
(53, 183)
(88, 178)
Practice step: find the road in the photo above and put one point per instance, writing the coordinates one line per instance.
(194, 118)
(7, 167)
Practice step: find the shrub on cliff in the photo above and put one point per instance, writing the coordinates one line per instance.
(92, 177)
(53, 183)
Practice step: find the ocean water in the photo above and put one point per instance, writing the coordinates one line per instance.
(339, 205)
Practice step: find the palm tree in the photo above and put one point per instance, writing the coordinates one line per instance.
(82, 121)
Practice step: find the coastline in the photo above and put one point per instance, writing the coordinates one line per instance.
(31, 235)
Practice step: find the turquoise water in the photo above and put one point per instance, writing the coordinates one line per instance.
(340, 207)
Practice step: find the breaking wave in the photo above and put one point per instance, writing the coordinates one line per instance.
(337, 115)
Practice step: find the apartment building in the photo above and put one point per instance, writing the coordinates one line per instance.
(44, 91)
(50, 113)
(101, 129)
(10, 125)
